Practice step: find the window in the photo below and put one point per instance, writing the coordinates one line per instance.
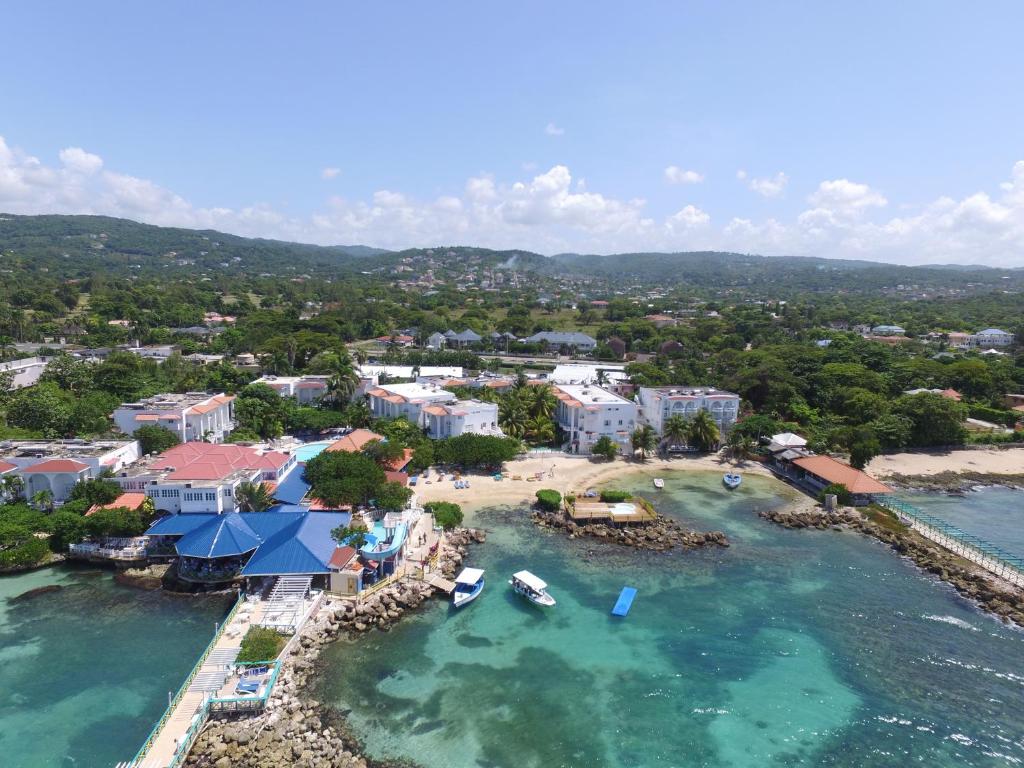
(211, 496)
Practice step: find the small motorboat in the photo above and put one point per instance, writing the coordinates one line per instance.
(532, 588)
(659, 483)
(468, 586)
(732, 480)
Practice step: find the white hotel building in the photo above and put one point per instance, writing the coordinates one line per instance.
(462, 417)
(305, 389)
(191, 416)
(658, 403)
(586, 413)
(390, 401)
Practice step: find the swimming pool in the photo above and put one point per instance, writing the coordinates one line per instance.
(307, 451)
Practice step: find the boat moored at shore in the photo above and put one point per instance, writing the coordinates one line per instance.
(468, 586)
(732, 480)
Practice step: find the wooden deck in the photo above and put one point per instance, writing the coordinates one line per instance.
(599, 510)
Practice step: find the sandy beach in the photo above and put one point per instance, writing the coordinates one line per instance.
(566, 474)
(985, 460)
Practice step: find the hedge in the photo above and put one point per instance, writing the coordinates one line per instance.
(260, 644)
(612, 496)
(549, 500)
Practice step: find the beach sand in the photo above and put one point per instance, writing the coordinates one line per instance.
(985, 460)
(572, 474)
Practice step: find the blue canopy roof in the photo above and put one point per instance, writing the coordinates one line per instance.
(226, 536)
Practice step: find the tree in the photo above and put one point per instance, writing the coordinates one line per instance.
(65, 528)
(446, 514)
(12, 487)
(155, 439)
(512, 415)
(605, 447)
(43, 408)
(384, 452)
(341, 479)
(97, 491)
(473, 450)
(351, 535)
(392, 496)
(43, 500)
(704, 433)
(741, 446)
(675, 430)
(934, 420)
(644, 439)
(119, 521)
(253, 497)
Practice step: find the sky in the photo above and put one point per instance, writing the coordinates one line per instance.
(873, 130)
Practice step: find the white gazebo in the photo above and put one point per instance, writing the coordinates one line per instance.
(785, 441)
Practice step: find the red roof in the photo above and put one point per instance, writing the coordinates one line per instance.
(208, 461)
(354, 441)
(57, 465)
(6, 466)
(131, 500)
(832, 471)
(342, 556)
(397, 477)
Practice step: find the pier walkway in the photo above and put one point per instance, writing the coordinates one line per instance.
(988, 556)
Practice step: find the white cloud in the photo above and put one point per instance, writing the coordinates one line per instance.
(676, 175)
(330, 173)
(78, 160)
(553, 130)
(771, 186)
(549, 212)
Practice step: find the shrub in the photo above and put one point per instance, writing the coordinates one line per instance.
(570, 498)
(155, 439)
(260, 644)
(446, 514)
(842, 493)
(612, 496)
(549, 500)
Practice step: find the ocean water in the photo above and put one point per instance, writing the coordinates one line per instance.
(993, 514)
(85, 669)
(789, 648)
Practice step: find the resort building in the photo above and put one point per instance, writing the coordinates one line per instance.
(786, 441)
(462, 417)
(990, 338)
(658, 403)
(56, 465)
(212, 548)
(389, 401)
(191, 416)
(888, 330)
(305, 389)
(25, 372)
(817, 472)
(556, 340)
(950, 394)
(585, 413)
(200, 477)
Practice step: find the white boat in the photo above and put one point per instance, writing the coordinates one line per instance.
(659, 483)
(468, 586)
(533, 589)
(732, 480)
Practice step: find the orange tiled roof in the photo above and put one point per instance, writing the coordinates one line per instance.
(131, 500)
(57, 465)
(354, 441)
(832, 471)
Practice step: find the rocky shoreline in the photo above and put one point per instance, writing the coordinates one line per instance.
(661, 535)
(295, 729)
(970, 580)
(956, 482)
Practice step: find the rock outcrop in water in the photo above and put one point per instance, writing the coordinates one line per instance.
(295, 730)
(973, 582)
(660, 535)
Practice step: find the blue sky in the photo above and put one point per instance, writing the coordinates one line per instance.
(888, 131)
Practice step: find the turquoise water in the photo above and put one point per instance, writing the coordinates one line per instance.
(788, 648)
(308, 451)
(85, 670)
(993, 514)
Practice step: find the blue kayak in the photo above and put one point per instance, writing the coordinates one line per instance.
(625, 601)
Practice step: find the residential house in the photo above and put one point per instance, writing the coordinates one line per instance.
(990, 338)
(462, 417)
(585, 413)
(818, 472)
(658, 403)
(190, 416)
(661, 321)
(25, 372)
(466, 338)
(888, 330)
(389, 401)
(56, 465)
(436, 341)
(305, 389)
(557, 340)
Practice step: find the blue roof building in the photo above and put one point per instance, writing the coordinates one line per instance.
(269, 543)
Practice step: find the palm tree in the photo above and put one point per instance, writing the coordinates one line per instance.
(704, 432)
(675, 430)
(359, 355)
(253, 497)
(741, 446)
(644, 439)
(344, 382)
(543, 402)
(383, 452)
(540, 430)
(357, 414)
(43, 500)
(12, 487)
(512, 415)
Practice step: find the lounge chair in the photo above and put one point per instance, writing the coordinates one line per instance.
(248, 686)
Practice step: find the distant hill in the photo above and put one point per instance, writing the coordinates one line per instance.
(77, 246)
